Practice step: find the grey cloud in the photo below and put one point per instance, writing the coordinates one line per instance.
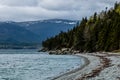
(19, 2)
(17, 10)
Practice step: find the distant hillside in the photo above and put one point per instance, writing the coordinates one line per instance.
(31, 32)
(101, 32)
(12, 33)
(48, 28)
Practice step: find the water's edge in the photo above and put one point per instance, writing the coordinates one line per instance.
(86, 62)
(32, 65)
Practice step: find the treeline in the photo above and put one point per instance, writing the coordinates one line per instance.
(101, 32)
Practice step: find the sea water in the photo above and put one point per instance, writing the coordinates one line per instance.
(33, 65)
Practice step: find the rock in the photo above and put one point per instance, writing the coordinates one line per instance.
(43, 50)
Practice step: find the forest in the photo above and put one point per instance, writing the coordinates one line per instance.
(101, 32)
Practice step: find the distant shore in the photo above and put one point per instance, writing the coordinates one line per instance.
(105, 66)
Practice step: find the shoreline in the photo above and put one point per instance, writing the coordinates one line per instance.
(79, 72)
(86, 62)
(97, 66)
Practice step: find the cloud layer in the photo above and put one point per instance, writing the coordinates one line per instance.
(27, 10)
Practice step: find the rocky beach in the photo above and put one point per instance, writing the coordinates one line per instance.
(98, 66)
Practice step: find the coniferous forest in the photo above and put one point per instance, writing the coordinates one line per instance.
(101, 32)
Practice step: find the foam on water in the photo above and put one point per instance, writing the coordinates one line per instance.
(32, 65)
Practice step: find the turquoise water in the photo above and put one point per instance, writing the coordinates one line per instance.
(33, 65)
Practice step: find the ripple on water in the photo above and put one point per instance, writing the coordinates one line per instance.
(35, 66)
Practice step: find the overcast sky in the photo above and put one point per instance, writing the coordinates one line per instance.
(29, 10)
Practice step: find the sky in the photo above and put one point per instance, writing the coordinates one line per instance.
(31, 10)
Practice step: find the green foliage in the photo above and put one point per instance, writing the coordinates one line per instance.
(99, 33)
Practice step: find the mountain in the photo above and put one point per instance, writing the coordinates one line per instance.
(48, 28)
(32, 32)
(10, 32)
(101, 32)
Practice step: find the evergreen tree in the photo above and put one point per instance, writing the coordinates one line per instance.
(101, 32)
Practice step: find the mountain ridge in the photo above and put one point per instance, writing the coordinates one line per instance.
(48, 28)
(33, 31)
